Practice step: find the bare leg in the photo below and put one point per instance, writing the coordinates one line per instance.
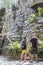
(25, 57)
(36, 57)
(21, 56)
(32, 57)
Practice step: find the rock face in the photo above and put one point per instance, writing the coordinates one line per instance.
(20, 26)
(2, 19)
(40, 25)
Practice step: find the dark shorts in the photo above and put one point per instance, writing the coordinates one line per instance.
(34, 50)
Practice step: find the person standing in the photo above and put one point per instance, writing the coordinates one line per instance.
(24, 49)
(34, 48)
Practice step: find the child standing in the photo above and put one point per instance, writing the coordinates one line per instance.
(24, 49)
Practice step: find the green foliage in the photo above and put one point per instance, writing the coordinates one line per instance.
(32, 18)
(40, 11)
(15, 48)
(41, 48)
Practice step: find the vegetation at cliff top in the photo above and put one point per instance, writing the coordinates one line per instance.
(40, 11)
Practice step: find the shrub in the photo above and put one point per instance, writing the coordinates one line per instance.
(15, 48)
(40, 11)
(32, 18)
(40, 51)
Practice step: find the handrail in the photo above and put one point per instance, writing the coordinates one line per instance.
(9, 39)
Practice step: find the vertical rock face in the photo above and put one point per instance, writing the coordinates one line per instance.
(2, 19)
(20, 26)
(40, 25)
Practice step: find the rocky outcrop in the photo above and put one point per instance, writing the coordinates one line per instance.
(21, 27)
(2, 19)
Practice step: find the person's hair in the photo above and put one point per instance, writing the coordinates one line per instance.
(24, 37)
(33, 34)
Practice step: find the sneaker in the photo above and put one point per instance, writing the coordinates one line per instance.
(37, 61)
(31, 61)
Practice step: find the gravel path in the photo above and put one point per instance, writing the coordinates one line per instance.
(6, 61)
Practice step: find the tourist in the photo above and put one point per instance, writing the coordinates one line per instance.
(34, 48)
(24, 49)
